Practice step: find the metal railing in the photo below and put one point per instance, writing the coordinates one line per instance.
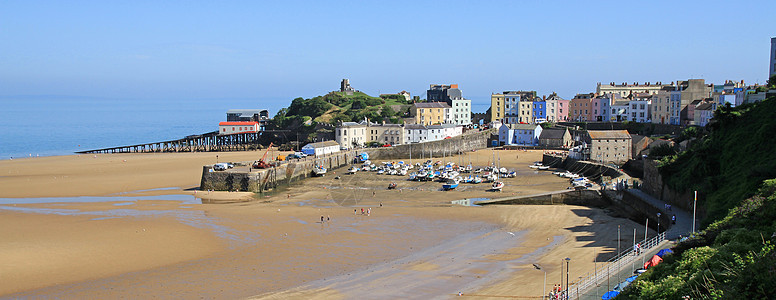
(593, 279)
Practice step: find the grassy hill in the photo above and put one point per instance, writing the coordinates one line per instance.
(303, 115)
(733, 257)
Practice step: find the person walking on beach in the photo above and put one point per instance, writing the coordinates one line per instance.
(673, 219)
(321, 218)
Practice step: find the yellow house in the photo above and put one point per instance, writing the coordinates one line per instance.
(496, 107)
(432, 113)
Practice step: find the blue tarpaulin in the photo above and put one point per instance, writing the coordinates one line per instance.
(664, 252)
(631, 279)
(364, 156)
(610, 295)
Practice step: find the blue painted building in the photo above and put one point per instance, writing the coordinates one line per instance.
(539, 112)
(519, 134)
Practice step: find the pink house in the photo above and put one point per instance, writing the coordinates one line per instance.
(581, 107)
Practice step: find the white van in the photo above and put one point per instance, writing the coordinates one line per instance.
(220, 166)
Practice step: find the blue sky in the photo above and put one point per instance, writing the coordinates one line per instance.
(274, 51)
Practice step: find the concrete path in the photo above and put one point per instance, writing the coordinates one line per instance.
(683, 224)
(621, 272)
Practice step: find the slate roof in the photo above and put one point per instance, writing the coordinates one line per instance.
(552, 134)
(432, 105)
(321, 144)
(608, 134)
(704, 106)
(522, 126)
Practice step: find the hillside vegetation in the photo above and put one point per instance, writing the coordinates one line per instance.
(733, 257)
(336, 106)
(729, 163)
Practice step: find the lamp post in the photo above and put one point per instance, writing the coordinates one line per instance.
(544, 287)
(567, 277)
(695, 199)
(658, 223)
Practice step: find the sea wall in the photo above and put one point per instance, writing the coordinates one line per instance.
(470, 141)
(290, 171)
(654, 186)
(589, 169)
(260, 180)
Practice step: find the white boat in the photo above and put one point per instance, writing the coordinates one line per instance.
(533, 166)
(468, 168)
(503, 170)
(319, 171)
(477, 180)
(353, 170)
(492, 177)
(544, 167)
(450, 184)
(497, 185)
(403, 172)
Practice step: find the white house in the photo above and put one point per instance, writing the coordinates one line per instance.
(620, 111)
(349, 134)
(415, 133)
(321, 148)
(640, 109)
(237, 127)
(440, 132)
(461, 111)
(519, 134)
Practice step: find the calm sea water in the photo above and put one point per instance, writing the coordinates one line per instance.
(45, 126)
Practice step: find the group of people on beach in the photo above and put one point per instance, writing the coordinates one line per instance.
(557, 292)
(367, 212)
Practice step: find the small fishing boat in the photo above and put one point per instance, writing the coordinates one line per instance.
(492, 177)
(497, 185)
(503, 170)
(392, 185)
(477, 180)
(353, 170)
(450, 184)
(544, 168)
(319, 171)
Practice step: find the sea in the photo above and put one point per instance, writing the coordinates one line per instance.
(33, 126)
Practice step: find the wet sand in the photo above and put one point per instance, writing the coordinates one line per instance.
(417, 245)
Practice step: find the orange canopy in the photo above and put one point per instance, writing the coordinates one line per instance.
(654, 261)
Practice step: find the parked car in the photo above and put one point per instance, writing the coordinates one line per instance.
(300, 154)
(220, 167)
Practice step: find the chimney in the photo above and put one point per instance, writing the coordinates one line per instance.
(544, 98)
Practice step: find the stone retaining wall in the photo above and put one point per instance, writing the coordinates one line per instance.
(293, 170)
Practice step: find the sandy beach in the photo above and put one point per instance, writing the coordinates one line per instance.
(143, 232)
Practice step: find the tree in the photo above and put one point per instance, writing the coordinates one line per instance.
(772, 81)
(387, 112)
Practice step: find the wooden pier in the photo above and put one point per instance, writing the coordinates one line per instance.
(206, 142)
